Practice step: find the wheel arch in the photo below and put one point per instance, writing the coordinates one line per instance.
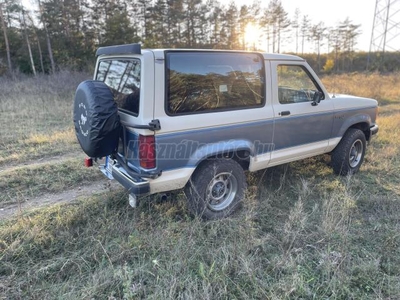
(241, 156)
(361, 121)
(238, 150)
(364, 127)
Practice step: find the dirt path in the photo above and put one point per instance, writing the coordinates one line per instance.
(42, 161)
(97, 187)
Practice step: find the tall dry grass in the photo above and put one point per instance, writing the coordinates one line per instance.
(384, 88)
(303, 233)
(37, 107)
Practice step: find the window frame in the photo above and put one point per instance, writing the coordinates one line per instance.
(217, 110)
(128, 112)
(305, 69)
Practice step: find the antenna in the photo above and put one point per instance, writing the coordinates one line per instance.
(385, 33)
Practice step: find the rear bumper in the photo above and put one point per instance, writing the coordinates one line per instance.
(136, 186)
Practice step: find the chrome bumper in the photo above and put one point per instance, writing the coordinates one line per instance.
(136, 186)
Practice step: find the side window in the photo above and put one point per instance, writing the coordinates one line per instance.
(202, 82)
(295, 84)
(123, 79)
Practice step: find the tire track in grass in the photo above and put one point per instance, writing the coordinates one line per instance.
(42, 161)
(70, 195)
(23, 183)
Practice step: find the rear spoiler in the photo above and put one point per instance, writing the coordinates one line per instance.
(120, 49)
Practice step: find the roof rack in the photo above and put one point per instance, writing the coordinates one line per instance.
(120, 49)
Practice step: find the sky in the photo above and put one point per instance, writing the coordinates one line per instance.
(331, 13)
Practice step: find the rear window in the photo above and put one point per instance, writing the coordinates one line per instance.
(122, 76)
(205, 82)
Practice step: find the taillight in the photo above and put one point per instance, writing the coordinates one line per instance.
(88, 162)
(147, 151)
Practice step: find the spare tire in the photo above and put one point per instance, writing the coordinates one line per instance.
(96, 119)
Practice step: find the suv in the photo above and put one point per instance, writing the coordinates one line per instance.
(167, 119)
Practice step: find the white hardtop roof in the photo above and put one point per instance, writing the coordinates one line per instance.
(159, 53)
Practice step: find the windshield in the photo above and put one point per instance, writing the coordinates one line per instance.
(122, 76)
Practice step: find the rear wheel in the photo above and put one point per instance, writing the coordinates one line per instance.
(216, 189)
(349, 154)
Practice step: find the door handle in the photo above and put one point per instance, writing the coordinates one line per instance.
(284, 113)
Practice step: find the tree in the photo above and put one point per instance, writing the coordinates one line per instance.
(159, 17)
(27, 42)
(192, 10)
(146, 21)
(305, 26)
(296, 27)
(65, 33)
(215, 23)
(317, 34)
(4, 26)
(118, 29)
(49, 48)
(276, 18)
(245, 18)
(174, 20)
(37, 41)
(231, 22)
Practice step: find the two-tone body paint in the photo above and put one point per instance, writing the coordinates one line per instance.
(269, 137)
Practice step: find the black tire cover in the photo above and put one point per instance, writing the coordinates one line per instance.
(96, 119)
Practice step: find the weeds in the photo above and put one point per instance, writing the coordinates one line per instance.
(36, 116)
(303, 233)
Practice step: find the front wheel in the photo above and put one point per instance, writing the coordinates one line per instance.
(348, 156)
(216, 189)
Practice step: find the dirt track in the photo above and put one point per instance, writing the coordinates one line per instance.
(21, 207)
(70, 195)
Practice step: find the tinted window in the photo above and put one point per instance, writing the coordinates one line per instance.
(123, 78)
(295, 84)
(201, 82)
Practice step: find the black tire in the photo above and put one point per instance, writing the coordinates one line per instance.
(349, 154)
(96, 119)
(216, 189)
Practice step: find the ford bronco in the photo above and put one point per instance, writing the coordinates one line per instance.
(167, 119)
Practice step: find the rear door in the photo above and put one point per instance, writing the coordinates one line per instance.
(131, 80)
(301, 128)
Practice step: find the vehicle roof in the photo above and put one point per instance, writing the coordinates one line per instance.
(135, 49)
(159, 53)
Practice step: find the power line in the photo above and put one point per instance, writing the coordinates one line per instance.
(385, 35)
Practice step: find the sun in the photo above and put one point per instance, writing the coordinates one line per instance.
(252, 35)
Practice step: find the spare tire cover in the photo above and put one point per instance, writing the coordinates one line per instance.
(96, 119)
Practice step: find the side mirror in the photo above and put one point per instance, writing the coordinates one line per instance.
(317, 98)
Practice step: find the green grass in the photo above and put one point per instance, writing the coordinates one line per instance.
(303, 233)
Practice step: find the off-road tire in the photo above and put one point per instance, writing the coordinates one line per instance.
(214, 180)
(347, 157)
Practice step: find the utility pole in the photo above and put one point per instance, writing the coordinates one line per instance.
(385, 35)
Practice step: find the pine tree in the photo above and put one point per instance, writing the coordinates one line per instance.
(28, 42)
(304, 29)
(317, 34)
(4, 26)
(296, 27)
(49, 48)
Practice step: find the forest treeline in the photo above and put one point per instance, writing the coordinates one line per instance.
(54, 34)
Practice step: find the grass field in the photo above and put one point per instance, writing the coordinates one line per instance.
(303, 233)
